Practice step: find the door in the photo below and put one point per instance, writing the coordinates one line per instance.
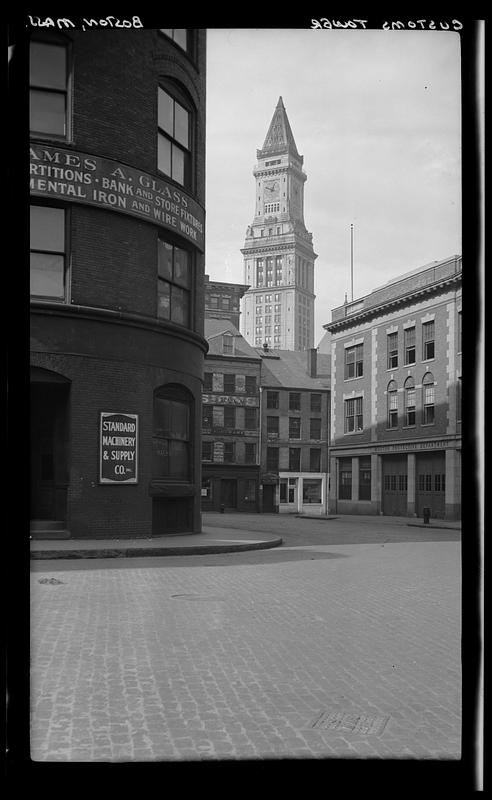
(430, 484)
(395, 486)
(269, 498)
(49, 451)
(228, 493)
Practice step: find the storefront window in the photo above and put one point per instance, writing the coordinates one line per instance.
(311, 490)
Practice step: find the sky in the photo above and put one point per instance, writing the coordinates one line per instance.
(376, 115)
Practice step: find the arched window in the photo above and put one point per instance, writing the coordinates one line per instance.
(172, 433)
(428, 399)
(409, 402)
(392, 393)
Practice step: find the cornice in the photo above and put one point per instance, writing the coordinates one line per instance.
(377, 310)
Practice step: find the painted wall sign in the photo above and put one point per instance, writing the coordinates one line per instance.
(83, 178)
(229, 399)
(118, 448)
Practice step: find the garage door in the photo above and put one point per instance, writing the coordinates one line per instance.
(395, 484)
(431, 484)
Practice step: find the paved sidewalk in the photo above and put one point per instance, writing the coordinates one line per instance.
(211, 540)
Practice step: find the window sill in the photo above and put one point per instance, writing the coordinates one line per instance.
(353, 433)
(428, 360)
(391, 369)
(427, 424)
(410, 364)
(356, 378)
(408, 427)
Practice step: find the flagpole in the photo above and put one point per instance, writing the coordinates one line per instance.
(352, 259)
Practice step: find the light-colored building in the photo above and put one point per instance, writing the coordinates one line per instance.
(278, 308)
(295, 425)
(396, 397)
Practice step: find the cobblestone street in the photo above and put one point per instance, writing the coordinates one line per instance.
(298, 652)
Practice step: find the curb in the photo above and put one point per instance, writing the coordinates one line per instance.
(436, 527)
(152, 552)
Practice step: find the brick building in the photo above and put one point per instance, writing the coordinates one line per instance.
(223, 300)
(295, 430)
(230, 420)
(117, 159)
(396, 397)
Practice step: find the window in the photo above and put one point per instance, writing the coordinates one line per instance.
(207, 489)
(250, 453)
(354, 361)
(207, 416)
(459, 332)
(228, 344)
(392, 342)
(250, 384)
(315, 428)
(409, 402)
(207, 381)
(294, 459)
(294, 427)
(272, 427)
(427, 340)
(218, 416)
(272, 399)
(315, 459)
(392, 392)
(345, 479)
(409, 345)
(428, 399)
(250, 489)
(250, 419)
(294, 401)
(229, 452)
(229, 383)
(315, 402)
(225, 302)
(171, 440)
(353, 415)
(365, 478)
(48, 253)
(311, 490)
(283, 490)
(173, 138)
(178, 35)
(207, 451)
(173, 283)
(272, 459)
(48, 79)
(458, 399)
(229, 417)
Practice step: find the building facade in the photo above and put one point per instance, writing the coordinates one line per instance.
(223, 300)
(396, 397)
(278, 307)
(295, 431)
(230, 421)
(117, 182)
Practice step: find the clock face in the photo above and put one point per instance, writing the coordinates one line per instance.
(271, 190)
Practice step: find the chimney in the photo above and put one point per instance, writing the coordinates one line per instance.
(313, 362)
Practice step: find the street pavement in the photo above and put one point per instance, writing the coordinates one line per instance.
(344, 642)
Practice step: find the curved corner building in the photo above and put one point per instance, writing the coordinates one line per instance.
(117, 183)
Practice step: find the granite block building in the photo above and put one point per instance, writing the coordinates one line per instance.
(396, 397)
(117, 184)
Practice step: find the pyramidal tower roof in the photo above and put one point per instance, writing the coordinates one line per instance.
(279, 138)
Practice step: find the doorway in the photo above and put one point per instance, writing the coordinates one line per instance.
(228, 493)
(48, 451)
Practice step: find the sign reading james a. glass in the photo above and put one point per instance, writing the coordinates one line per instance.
(118, 448)
(83, 178)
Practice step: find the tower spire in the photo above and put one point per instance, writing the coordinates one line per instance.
(279, 137)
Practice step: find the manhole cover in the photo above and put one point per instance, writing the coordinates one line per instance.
(53, 581)
(350, 722)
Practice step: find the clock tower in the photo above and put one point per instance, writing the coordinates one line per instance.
(278, 308)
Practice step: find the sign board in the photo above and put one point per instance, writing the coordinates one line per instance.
(230, 399)
(118, 448)
(82, 178)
